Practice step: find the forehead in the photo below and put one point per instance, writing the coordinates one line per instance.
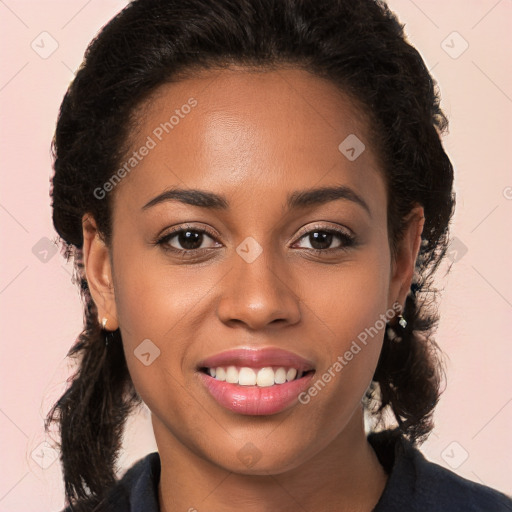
(240, 132)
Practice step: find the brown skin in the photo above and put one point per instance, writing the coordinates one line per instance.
(255, 138)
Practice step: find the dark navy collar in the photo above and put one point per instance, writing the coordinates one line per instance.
(145, 489)
(418, 485)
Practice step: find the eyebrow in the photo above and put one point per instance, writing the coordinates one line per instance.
(295, 200)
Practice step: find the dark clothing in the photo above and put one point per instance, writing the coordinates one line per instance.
(414, 484)
(418, 485)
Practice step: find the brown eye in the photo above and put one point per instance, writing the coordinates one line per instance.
(187, 240)
(321, 240)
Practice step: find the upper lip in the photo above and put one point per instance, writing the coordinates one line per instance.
(257, 358)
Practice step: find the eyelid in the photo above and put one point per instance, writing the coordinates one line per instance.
(188, 226)
(319, 227)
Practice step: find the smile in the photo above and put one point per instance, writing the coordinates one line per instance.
(261, 377)
(256, 381)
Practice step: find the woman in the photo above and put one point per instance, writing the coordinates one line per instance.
(256, 198)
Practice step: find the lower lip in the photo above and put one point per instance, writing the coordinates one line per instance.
(254, 400)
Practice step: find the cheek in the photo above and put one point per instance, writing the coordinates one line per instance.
(154, 300)
(165, 305)
(350, 317)
(349, 300)
(152, 310)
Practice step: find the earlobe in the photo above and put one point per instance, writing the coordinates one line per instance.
(96, 256)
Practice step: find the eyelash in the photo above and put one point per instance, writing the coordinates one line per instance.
(346, 239)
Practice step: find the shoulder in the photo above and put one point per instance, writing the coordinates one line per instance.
(136, 490)
(416, 484)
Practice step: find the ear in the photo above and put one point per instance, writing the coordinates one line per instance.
(404, 262)
(98, 271)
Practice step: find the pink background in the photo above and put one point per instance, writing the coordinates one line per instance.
(41, 311)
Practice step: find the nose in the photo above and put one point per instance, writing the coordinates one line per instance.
(258, 294)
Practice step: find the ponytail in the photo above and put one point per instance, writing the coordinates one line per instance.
(91, 413)
(409, 372)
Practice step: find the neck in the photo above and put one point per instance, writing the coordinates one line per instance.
(345, 476)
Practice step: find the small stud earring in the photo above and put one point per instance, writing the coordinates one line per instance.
(402, 321)
(103, 322)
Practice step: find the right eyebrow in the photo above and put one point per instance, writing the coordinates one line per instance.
(193, 197)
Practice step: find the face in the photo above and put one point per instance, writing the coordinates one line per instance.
(252, 310)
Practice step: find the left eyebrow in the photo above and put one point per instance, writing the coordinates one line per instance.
(318, 196)
(295, 200)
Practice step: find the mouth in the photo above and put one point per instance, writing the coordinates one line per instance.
(256, 381)
(266, 376)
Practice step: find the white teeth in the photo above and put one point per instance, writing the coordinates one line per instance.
(232, 375)
(291, 374)
(247, 377)
(280, 376)
(263, 377)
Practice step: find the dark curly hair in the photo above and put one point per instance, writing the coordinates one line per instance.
(358, 45)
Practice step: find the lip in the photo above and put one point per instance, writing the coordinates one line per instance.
(257, 358)
(255, 400)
